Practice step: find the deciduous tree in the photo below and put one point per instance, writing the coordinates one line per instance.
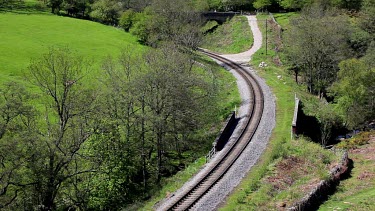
(68, 125)
(354, 92)
(316, 42)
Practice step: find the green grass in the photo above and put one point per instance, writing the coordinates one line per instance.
(358, 191)
(256, 192)
(363, 200)
(234, 36)
(283, 19)
(174, 183)
(27, 36)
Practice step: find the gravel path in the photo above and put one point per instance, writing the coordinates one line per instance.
(251, 154)
(244, 57)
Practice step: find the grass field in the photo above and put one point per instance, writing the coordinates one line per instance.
(27, 36)
(234, 36)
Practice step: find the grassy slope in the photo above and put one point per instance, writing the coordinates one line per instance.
(26, 36)
(284, 18)
(358, 191)
(234, 36)
(273, 181)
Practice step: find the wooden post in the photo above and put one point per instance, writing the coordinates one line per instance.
(266, 37)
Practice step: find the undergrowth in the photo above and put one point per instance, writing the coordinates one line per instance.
(356, 141)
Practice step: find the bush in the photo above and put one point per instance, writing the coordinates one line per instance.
(139, 26)
(360, 139)
(127, 19)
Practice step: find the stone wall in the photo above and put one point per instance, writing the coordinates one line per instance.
(313, 200)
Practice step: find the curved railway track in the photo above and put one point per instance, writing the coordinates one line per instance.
(188, 197)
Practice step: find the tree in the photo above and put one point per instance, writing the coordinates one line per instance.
(354, 92)
(127, 19)
(294, 4)
(77, 8)
(140, 25)
(262, 4)
(17, 119)
(169, 21)
(368, 16)
(68, 125)
(316, 42)
(55, 5)
(328, 120)
(106, 11)
(172, 95)
(119, 144)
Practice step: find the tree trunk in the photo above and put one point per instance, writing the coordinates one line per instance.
(159, 149)
(144, 170)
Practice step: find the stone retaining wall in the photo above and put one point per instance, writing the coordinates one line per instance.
(312, 200)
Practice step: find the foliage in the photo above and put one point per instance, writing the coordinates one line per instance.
(315, 43)
(327, 117)
(47, 157)
(140, 24)
(106, 11)
(15, 122)
(262, 4)
(234, 36)
(98, 155)
(354, 92)
(222, 5)
(175, 22)
(356, 141)
(209, 27)
(368, 12)
(126, 19)
(167, 21)
(294, 4)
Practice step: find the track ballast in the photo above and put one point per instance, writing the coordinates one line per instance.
(190, 195)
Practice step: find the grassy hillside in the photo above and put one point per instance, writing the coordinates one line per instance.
(234, 36)
(26, 36)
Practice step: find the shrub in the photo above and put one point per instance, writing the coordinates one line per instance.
(360, 139)
(127, 19)
(139, 26)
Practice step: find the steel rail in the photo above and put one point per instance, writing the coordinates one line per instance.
(188, 197)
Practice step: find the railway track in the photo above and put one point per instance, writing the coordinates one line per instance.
(190, 195)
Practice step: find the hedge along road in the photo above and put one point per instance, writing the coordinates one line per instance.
(254, 149)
